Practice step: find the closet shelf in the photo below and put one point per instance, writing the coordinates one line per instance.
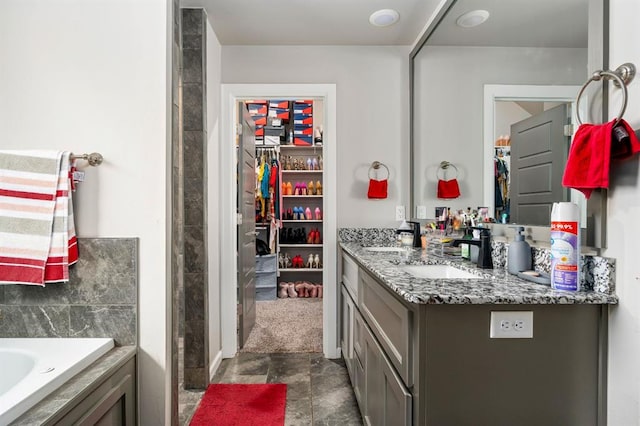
(303, 147)
(300, 270)
(302, 196)
(301, 221)
(300, 245)
(301, 171)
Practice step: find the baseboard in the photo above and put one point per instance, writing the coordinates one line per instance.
(215, 364)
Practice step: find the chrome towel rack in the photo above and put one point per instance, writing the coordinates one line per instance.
(622, 76)
(444, 165)
(94, 159)
(376, 166)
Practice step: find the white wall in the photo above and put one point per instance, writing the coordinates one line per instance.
(507, 113)
(93, 76)
(214, 71)
(623, 234)
(449, 97)
(373, 101)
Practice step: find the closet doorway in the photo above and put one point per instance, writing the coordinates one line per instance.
(293, 151)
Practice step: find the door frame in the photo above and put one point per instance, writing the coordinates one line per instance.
(227, 188)
(523, 92)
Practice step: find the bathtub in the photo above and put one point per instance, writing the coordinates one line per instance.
(30, 369)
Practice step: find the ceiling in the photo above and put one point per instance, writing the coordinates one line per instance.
(313, 22)
(515, 23)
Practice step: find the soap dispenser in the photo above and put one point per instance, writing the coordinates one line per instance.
(519, 258)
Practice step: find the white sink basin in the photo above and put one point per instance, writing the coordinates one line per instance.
(387, 249)
(439, 272)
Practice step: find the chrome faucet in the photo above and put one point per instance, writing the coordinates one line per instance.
(484, 243)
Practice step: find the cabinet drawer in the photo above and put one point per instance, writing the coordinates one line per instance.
(350, 275)
(390, 322)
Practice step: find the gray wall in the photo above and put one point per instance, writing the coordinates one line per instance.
(372, 116)
(449, 100)
(100, 299)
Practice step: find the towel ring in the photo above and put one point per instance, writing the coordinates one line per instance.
(376, 166)
(621, 77)
(444, 166)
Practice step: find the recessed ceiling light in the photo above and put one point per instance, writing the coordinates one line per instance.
(384, 17)
(473, 18)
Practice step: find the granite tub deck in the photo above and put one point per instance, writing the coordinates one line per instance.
(495, 287)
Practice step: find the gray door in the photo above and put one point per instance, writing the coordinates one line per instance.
(246, 225)
(539, 151)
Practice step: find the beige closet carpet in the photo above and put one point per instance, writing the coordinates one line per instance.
(286, 325)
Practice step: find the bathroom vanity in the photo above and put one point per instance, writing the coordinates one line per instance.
(418, 350)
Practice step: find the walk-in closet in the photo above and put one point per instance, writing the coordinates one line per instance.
(288, 199)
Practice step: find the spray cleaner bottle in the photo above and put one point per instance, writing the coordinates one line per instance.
(565, 246)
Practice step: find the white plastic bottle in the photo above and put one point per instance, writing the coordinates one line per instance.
(565, 246)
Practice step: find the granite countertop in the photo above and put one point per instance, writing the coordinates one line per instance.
(496, 286)
(77, 385)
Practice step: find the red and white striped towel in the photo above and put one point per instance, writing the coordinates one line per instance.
(37, 232)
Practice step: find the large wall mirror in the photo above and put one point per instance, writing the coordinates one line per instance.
(496, 97)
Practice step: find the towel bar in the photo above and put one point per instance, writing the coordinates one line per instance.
(94, 159)
(375, 166)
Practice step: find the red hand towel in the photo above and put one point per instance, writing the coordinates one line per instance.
(377, 188)
(590, 156)
(448, 188)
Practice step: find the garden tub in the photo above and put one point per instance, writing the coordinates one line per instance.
(32, 368)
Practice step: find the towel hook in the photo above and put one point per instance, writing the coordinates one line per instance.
(94, 159)
(622, 76)
(444, 165)
(376, 166)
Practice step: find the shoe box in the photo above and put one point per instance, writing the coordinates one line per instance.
(273, 135)
(258, 109)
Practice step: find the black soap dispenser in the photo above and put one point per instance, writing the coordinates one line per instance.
(519, 258)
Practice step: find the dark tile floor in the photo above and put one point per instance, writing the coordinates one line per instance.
(318, 390)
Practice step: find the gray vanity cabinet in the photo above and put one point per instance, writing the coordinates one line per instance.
(381, 392)
(436, 364)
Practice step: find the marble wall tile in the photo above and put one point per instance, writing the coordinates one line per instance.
(1, 294)
(118, 322)
(194, 306)
(194, 250)
(192, 102)
(194, 142)
(192, 65)
(195, 378)
(193, 332)
(34, 321)
(100, 299)
(193, 22)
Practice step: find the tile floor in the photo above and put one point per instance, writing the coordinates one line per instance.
(318, 390)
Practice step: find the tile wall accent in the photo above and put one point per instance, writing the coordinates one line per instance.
(177, 207)
(597, 272)
(100, 299)
(194, 153)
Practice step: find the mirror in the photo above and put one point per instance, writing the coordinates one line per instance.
(462, 79)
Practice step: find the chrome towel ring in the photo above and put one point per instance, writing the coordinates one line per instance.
(622, 76)
(444, 165)
(376, 166)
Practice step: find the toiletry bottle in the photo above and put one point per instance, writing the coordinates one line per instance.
(565, 246)
(519, 258)
(464, 248)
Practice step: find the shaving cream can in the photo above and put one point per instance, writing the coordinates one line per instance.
(565, 246)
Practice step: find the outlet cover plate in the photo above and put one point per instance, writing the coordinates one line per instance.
(421, 212)
(511, 325)
(399, 212)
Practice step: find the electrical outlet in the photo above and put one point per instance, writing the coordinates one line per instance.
(421, 212)
(511, 325)
(399, 212)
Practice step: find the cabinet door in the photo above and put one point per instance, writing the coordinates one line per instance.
(346, 339)
(388, 402)
(390, 322)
